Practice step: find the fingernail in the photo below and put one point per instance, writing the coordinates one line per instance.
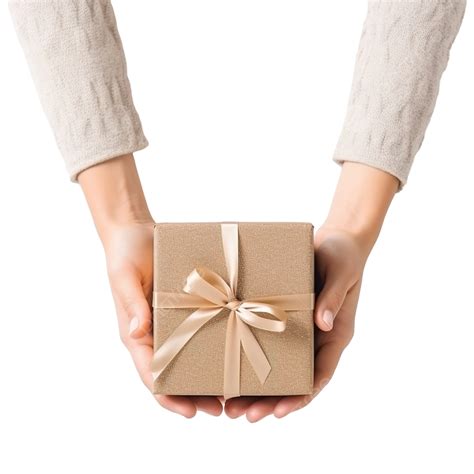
(328, 318)
(323, 383)
(133, 325)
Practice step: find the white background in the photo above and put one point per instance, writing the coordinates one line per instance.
(242, 103)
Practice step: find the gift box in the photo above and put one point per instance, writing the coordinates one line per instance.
(233, 308)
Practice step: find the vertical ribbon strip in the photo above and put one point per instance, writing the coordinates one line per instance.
(210, 294)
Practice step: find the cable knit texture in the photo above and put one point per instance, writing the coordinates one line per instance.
(77, 62)
(76, 59)
(404, 49)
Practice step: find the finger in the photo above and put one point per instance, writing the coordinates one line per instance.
(326, 360)
(209, 405)
(262, 408)
(331, 299)
(289, 404)
(131, 297)
(177, 404)
(325, 364)
(235, 407)
(141, 355)
(331, 345)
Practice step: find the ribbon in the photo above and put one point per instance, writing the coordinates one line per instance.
(210, 293)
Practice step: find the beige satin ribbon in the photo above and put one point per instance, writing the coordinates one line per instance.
(208, 291)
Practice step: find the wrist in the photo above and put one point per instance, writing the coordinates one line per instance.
(114, 195)
(361, 201)
(363, 241)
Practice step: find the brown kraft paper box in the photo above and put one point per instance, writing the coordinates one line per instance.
(275, 258)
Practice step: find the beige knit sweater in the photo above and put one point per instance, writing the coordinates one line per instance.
(76, 59)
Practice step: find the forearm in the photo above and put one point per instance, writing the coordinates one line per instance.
(114, 195)
(360, 203)
(403, 51)
(76, 59)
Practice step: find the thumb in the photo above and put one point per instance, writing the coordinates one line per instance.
(131, 297)
(330, 300)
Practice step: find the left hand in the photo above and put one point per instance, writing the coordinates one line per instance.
(340, 260)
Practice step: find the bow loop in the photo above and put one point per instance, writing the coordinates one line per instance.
(246, 313)
(208, 285)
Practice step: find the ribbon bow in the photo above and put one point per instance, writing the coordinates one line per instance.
(210, 293)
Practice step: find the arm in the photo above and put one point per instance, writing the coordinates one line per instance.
(78, 66)
(342, 246)
(125, 226)
(77, 63)
(403, 51)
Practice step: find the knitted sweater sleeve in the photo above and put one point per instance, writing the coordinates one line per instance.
(77, 63)
(403, 51)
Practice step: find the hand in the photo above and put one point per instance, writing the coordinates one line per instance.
(129, 256)
(342, 246)
(339, 262)
(125, 226)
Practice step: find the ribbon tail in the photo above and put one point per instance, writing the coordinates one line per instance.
(179, 337)
(254, 352)
(232, 358)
